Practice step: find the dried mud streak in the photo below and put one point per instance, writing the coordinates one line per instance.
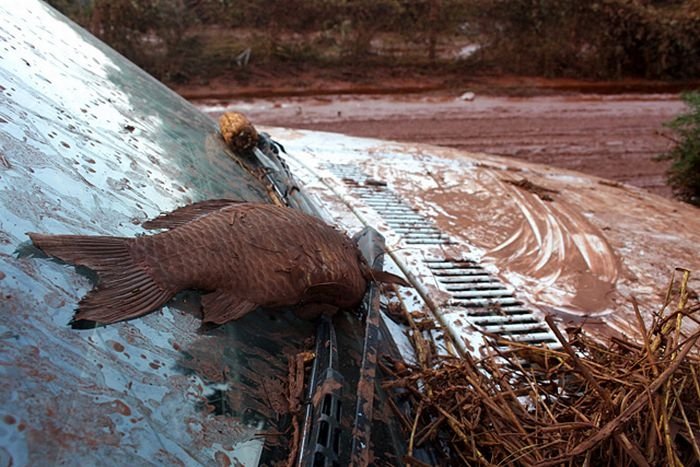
(365, 387)
(556, 244)
(294, 399)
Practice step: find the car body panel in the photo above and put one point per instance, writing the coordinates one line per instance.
(566, 243)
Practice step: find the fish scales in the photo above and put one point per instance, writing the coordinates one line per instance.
(268, 255)
(241, 255)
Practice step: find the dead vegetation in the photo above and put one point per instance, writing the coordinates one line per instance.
(542, 192)
(624, 402)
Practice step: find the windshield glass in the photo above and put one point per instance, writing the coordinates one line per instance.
(91, 145)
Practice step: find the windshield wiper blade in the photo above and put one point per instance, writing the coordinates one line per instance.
(320, 439)
(371, 245)
(267, 155)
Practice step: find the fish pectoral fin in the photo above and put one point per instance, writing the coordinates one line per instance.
(329, 292)
(388, 278)
(185, 214)
(222, 306)
(314, 310)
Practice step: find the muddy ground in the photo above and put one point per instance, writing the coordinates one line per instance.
(615, 136)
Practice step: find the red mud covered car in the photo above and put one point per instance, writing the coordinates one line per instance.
(90, 144)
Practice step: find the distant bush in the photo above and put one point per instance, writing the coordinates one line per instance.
(596, 39)
(684, 174)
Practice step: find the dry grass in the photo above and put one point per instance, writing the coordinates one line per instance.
(622, 403)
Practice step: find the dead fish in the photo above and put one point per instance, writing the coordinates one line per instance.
(242, 255)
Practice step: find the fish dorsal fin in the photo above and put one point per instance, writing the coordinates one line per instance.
(222, 306)
(377, 275)
(185, 214)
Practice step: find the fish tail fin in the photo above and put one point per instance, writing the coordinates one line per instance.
(98, 253)
(125, 288)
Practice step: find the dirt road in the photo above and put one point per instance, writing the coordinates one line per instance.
(612, 136)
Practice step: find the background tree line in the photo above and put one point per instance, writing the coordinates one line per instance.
(180, 39)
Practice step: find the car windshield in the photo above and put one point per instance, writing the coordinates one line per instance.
(91, 145)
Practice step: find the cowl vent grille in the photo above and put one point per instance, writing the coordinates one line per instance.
(414, 228)
(476, 296)
(488, 304)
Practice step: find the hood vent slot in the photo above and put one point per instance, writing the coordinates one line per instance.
(477, 296)
(413, 228)
(488, 304)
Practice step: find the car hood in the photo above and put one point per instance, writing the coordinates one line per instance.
(565, 243)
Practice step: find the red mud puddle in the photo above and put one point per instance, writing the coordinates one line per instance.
(375, 79)
(612, 136)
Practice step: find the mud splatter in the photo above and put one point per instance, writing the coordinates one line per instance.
(117, 346)
(222, 460)
(117, 406)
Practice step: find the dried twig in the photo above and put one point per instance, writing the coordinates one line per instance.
(590, 403)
